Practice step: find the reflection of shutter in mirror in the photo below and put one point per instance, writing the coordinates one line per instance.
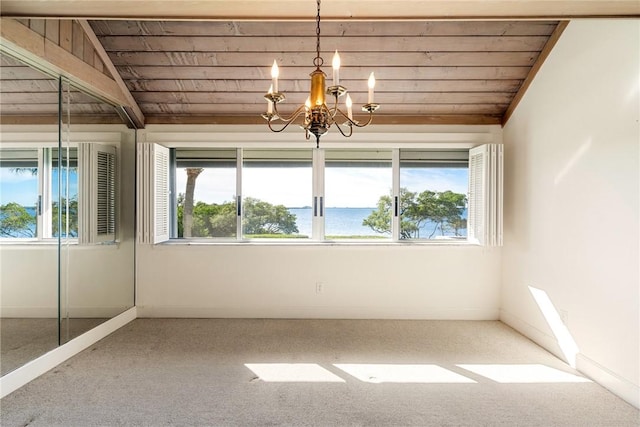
(105, 180)
(106, 193)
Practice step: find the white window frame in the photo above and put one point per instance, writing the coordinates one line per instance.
(430, 141)
(44, 143)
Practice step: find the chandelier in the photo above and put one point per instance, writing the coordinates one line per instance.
(318, 117)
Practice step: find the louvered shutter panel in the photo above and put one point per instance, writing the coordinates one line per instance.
(485, 195)
(105, 194)
(97, 193)
(153, 191)
(161, 193)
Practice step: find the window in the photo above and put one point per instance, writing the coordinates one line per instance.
(333, 194)
(44, 193)
(433, 194)
(276, 193)
(19, 193)
(64, 177)
(357, 194)
(206, 193)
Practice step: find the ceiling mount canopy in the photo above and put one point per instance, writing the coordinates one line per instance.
(318, 117)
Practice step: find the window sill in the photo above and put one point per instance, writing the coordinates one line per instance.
(54, 242)
(298, 242)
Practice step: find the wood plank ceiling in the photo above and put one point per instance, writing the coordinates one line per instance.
(426, 71)
(218, 71)
(30, 96)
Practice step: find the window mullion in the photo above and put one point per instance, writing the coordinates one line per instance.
(239, 213)
(318, 202)
(45, 217)
(395, 213)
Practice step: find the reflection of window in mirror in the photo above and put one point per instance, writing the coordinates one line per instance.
(64, 189)
(37, 181)
(19, 193)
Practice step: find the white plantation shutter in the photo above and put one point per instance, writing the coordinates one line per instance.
(97, 193)
(161, 194)
(485, 194)
(153, 188)
(106, 195)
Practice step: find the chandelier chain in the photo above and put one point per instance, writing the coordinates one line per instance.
(318, 61)
(317, 116)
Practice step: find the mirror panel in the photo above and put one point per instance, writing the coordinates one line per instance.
(28, 251)
(59, 277)
(97, 268)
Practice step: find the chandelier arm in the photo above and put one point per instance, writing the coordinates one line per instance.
(352, 122)
(361, 125)
(292, 117)
(342, 132)
(286, 122)
(333, 111)
(286, 125)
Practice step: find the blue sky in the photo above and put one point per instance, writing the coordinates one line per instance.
(344, 187)
(23, 187)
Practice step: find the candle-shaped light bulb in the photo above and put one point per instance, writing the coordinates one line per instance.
(372, 84)
(307, 103)
(274, 76)
(269, 102)
(349, 105)
(336, 69)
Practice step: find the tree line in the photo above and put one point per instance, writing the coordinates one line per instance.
(443, 210)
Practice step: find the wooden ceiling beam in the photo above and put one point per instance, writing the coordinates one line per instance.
(553, 39)
(132, 108)
(331, 28)
(465, 119)
(331, 9)
(43, 54)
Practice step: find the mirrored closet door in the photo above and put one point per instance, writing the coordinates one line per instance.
(67, 168)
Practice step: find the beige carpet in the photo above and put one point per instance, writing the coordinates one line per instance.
(208, 372)
(24, 339)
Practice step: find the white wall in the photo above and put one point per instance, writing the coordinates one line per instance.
(572, 189)
(359, 281)
(96, 281)
(400, 281)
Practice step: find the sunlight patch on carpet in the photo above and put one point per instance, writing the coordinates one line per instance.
(513, 374)
(397, 373)
(293, 372)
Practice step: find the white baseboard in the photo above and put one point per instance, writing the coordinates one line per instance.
(617, 385)
(544, 340)
(614, 383)
(297, 312)
(52, 312)
(29, 312)
(32, 370)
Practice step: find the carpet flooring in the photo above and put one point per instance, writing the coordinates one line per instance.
(24, 339)
(253, 372)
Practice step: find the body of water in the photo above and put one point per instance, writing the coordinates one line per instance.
(338, 222)
(348, 222)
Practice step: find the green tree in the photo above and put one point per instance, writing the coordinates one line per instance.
(70, 211)
(187, 214)
(453, 206)
(264, 218)
(380, 219)
(214, 220)
(443, 209)
(15, 221)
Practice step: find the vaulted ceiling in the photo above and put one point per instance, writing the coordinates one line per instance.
(217, 71)
(469, 71)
